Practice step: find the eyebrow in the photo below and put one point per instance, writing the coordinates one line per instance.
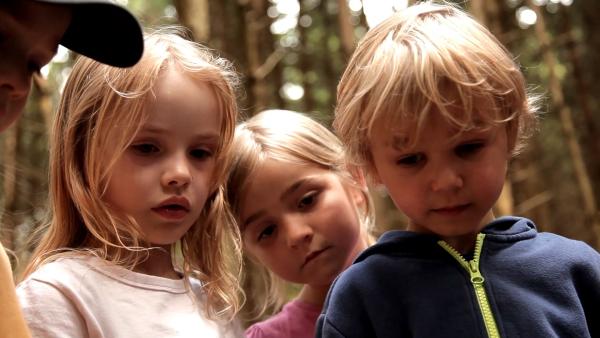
(152, 129)
(290, 190)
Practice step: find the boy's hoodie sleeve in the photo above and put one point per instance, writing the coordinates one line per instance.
(344, 313)
(587, 276)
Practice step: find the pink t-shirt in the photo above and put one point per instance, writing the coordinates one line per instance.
(297, 319)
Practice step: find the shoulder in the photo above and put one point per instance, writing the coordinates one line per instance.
(521, 233)
(61, 272)
(48, 300)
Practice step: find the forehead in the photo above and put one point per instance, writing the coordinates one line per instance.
(29, 24)
(405, 135)
(34, 14)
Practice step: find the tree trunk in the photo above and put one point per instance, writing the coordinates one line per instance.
(346, 28)
(194, 15)
(9, 164)
(583, 179)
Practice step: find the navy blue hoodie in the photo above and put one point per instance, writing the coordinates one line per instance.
(407, 285)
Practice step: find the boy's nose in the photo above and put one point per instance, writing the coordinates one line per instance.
(447, 178)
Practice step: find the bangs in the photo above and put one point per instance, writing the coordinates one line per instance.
(419, 70)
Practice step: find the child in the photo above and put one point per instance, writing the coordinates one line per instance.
(29, 36)
(435, 107)
(137, 158)
(302, 212)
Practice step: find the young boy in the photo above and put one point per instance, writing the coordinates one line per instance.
(434, 107)
(30, 31)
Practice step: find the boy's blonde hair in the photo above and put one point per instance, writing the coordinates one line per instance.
(430, 56)
(294, 138)
(100, 112)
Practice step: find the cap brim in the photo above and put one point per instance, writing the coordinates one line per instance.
(103, 31)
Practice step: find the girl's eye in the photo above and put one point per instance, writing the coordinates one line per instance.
(411, 160)
(307, 200)
(266, 232)
(200, 153)
(145, 148)
(468, 149)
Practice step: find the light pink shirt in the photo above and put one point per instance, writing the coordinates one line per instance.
(88, 297)
(297, 319)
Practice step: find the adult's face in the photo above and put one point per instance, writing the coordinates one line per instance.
(29, 35)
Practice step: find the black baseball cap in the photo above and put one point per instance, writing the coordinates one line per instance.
(104, 31)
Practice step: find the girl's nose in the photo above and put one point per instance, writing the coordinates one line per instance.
(178, 174)
(298, 233)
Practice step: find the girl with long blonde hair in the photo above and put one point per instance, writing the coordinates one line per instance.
(140, 242)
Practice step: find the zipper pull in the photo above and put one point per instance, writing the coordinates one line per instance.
(476, 276)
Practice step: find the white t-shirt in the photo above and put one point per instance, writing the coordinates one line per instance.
(86, 296)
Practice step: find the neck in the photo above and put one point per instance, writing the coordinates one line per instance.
(158, 263)
(466, 243)
(316, 294)
(313, 295)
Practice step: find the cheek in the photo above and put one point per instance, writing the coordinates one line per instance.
(490, 181)
(274, 260)
(406, 195)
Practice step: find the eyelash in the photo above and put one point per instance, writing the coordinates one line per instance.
(462, 150)
(145, 148)
(263, 233)
(311, 197)
(467, 149)
(148, 149)
(302, 205)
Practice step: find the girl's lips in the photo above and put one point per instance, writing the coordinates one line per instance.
(171, 212)
(312, 255)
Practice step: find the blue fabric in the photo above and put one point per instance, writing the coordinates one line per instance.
(406, 285)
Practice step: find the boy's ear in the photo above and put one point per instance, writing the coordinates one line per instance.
(359, 178)
(511, 137)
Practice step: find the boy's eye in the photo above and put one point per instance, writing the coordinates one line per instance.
(307, 200)
(200, 153)
(411, 160)
(267, 232)
(145, 148)
(468, 149)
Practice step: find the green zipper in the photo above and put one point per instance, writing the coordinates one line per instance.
(477, 280)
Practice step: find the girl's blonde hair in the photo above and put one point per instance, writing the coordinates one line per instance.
(430, 56)
(100, 112)
(293, 138)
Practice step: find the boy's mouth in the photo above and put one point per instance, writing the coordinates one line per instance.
(454, 209)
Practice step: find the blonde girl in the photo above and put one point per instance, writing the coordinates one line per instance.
(138, 244)
(303, 213)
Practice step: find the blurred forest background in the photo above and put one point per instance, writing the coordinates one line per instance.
(291, 54)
